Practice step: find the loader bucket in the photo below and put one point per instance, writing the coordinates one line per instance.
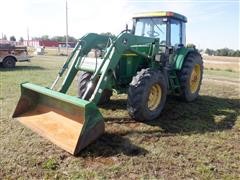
(67, 121)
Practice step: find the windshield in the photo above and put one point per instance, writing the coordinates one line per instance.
(151, 27)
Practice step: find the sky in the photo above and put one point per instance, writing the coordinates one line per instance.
(211, 23)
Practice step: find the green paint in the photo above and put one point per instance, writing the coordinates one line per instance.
(41, 95)
(54, 94)
(179, 57)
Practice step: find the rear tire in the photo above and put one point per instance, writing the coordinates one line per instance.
(190, 76)
(147, 95)
(83, 80)
(9, 62)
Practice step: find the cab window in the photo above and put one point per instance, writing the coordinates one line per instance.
(175, 32)
(152, 27)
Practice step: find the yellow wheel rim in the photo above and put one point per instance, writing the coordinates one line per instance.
(195, 78)
(154, 97)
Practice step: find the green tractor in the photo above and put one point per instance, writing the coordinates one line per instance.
(148, 63)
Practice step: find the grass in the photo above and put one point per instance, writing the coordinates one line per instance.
(228, 73)
(198, 140)
(50, 164)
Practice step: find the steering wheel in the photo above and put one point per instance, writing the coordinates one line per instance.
(163, 43)
(126, 30)
(153, 33)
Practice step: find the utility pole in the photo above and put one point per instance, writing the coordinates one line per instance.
(66, 27)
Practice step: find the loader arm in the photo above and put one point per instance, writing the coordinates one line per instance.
(111, 58)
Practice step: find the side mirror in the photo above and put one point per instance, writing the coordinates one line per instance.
(126, 27)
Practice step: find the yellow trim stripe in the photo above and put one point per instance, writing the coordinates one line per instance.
(152, 14)
(129, 54)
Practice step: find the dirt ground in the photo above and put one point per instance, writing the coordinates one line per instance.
(197, 140)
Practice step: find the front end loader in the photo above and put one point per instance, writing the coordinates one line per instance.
(147, 62)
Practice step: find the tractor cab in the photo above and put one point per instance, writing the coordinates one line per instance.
(169, 27)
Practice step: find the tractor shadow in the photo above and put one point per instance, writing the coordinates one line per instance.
(21, 68)
(206, 114)
(110, 144)
(115, 104)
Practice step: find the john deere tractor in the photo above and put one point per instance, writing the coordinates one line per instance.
(148, 63)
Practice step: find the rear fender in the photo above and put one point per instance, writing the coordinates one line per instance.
(180, 56)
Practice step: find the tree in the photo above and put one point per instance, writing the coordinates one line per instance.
(236, 53)
(58, 38)
(21, 39)
(210, 52)
(63, 39)
(36, 38)
(12, 38)
(71, 39)
(4, 37)
(223, 52)
(45, 37)
(191, 45)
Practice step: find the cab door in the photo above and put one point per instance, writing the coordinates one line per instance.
(177, 33)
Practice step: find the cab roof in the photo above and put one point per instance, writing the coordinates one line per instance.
(160, 14)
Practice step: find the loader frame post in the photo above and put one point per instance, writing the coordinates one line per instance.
(87, 42)
(122, 44)
(65, 65)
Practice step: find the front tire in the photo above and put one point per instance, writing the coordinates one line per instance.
(190, 76)
(147, 95)
(83, 80)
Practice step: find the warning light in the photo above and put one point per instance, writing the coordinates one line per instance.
(169, 13)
